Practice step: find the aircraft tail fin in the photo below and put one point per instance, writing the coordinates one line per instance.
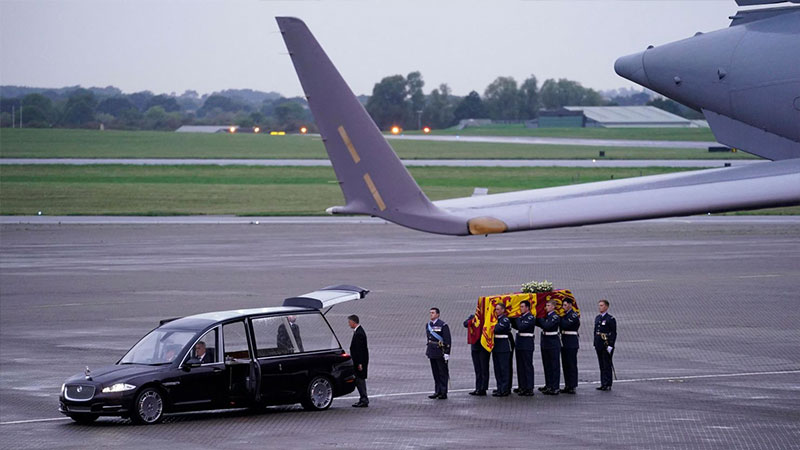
(373, 179)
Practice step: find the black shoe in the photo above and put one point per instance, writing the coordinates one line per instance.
(528, 393)
(543, 388)
(442, 397)
(567, 391)
(550, 392)
(501, 394)
(436, 395)
(361, 405)
(494, 391)
(517, 390)
(481, 393)
(604, 388)
(473, 393)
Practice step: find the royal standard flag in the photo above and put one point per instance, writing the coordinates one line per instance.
(482, 325)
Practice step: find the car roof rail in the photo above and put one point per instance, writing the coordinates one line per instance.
(164, 321)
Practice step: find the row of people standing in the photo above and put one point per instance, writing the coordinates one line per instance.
(559, 341)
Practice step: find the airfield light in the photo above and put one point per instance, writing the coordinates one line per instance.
(232, 129)
(395, 130)
(303, 130)
(426, 130)
(256, 130)
(273, 133)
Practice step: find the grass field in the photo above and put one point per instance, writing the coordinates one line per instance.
(655, 134)
(60, 143)
(177, 190)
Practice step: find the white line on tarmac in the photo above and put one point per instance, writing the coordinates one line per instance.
(759, 276)
(403, 394)
(34, 420)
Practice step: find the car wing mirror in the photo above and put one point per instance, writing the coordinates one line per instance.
(192, 363)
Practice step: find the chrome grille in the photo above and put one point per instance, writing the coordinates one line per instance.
(79, 392)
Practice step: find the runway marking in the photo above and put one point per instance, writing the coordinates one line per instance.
(404, 394)
(632, 281)
(497, 286)
(759, 276)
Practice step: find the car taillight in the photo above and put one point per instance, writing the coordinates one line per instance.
(345, 355)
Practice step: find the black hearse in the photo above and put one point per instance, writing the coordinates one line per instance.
(225, 359)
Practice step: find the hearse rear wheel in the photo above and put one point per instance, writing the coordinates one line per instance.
(319, 394)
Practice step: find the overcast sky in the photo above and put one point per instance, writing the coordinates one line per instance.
(173, 45)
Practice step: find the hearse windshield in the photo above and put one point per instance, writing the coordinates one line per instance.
(160, 346)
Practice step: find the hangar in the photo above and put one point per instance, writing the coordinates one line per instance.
(611, 117)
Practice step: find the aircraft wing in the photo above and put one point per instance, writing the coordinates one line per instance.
(375, 182)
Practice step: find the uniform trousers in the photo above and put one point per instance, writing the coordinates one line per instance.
(441, 374)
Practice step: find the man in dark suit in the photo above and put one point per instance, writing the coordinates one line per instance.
(480, 362)
(200, 353)
(605, 338)
(570, 323)
(437, 350)
(360, 354)
(501, 353)
(551, 348)
(526, 327)
(284, 341)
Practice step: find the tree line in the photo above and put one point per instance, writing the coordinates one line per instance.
(89, 108)
(395, 101)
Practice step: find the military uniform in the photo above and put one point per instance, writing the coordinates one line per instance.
(526, 327)
(605, 336)
(551, 348)
(435, 351)
(569, 349)
(480, 362)
(501, 356)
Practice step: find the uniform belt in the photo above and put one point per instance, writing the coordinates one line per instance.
(573, 333)
(433, 342)
(501, 336)
(550, 333)
(525, 334)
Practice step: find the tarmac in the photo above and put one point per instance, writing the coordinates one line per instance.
(708, 354)
(686, 163)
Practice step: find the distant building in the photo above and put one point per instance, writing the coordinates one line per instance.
(610, 117)
(206, 129)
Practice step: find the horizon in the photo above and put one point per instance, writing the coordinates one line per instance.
(209, 46)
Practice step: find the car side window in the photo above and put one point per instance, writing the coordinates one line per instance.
(315, 333)
(272, 337)
(235, 340)
(206, 348)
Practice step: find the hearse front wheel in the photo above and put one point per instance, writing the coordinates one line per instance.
(148, 408)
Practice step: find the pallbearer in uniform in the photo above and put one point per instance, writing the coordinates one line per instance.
(605, 337)
(501, 353)
(570, 322)
(551, 349)
(480, 362)
(526, 327)
(438, 351)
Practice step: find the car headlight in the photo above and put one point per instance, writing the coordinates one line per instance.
(119, 387)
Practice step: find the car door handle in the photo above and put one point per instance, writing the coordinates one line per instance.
(280, 367)
(217, 369)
